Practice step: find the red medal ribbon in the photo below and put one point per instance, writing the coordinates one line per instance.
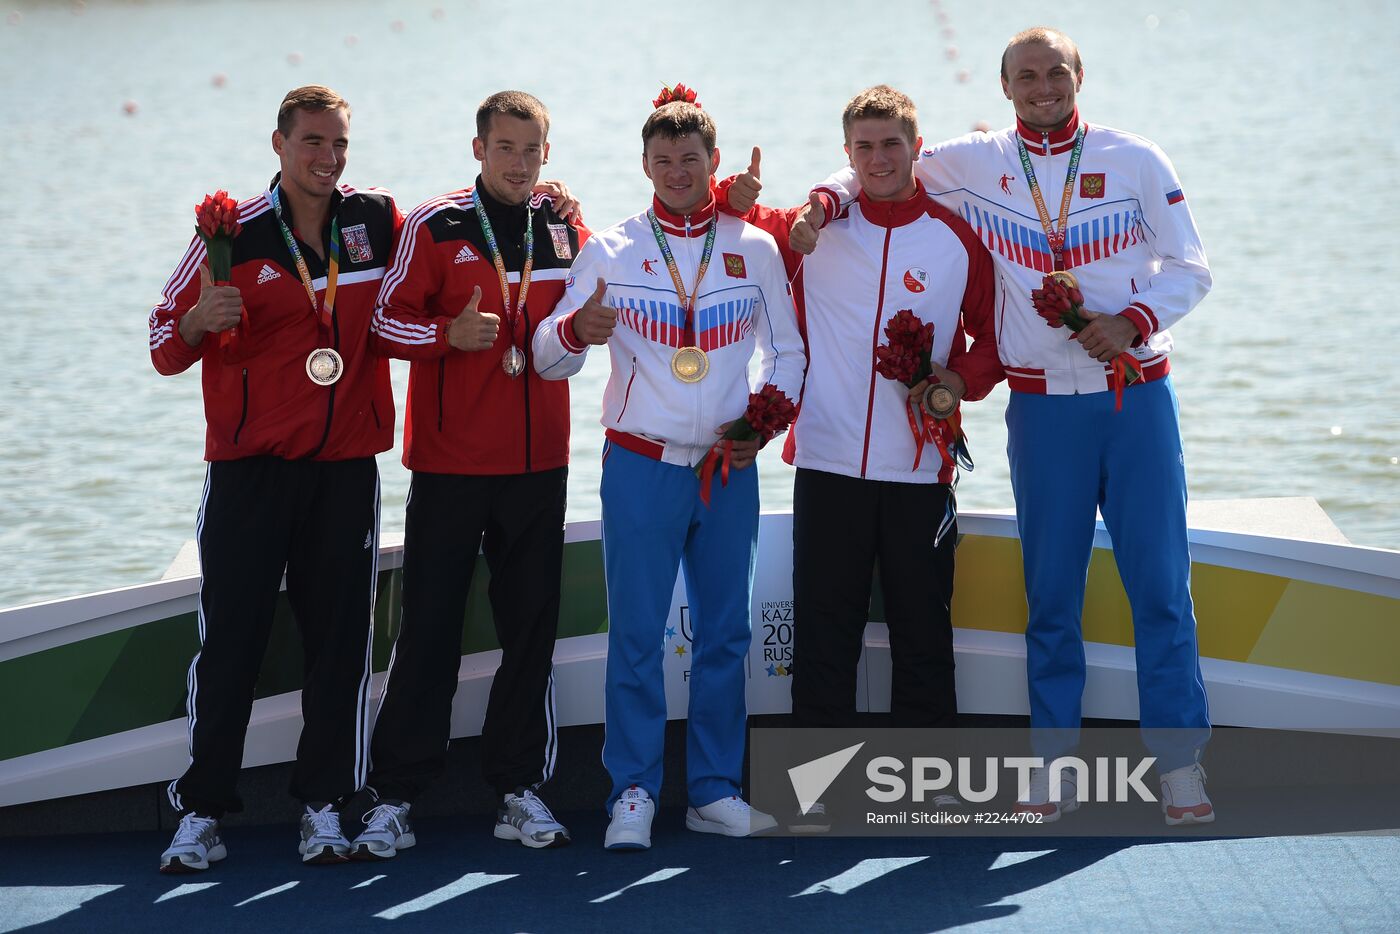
(707, 469)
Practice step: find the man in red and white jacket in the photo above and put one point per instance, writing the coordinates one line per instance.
(682, 297)
(297, 406)
(865, 487)
(1054, 192)
(488, 443)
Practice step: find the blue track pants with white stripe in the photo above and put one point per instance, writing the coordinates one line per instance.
(653, 523)
(1068, 455)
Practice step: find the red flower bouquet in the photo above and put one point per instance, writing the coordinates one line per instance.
(678, 93)
(906, 359)
(769, 414)
(216, 223)
(1061, 304)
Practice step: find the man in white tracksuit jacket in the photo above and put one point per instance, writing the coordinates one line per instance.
(681, 296)
(1053, 192)
(868, 488)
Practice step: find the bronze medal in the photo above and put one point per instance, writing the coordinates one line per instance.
(939, 401)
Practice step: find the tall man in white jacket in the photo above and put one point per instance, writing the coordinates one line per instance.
(1053, 192)
(680, 295)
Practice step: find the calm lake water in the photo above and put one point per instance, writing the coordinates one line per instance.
(1281, 121)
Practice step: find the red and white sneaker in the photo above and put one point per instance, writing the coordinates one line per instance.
(1184, 799)
(630, 827)
(1036, 800)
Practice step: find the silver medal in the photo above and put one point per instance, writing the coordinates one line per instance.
(513, 362)
(324, 366)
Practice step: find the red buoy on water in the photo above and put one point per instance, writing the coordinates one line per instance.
(964, 76)
(951, 52)
(129, 108)
(293, 58)
(219, 80)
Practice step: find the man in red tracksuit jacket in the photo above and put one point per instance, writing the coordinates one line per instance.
(297, 407)
(488, 443)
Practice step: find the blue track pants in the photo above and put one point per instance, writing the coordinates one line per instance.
(1068, 455)
(653, 523)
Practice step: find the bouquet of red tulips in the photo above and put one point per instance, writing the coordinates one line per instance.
(906, 358)
(1061, 304)
(678, 93)
(216, 223)
(769, 414)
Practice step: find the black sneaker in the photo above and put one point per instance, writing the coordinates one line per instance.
(813, 820)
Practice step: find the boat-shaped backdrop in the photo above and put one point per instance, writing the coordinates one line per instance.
(1298, 630)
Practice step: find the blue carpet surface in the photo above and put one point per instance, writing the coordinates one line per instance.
(459, 877)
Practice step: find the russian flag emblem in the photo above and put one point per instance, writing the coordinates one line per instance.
(1175, 197)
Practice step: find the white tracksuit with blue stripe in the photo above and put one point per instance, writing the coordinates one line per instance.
(1135, 249)
(658, 429)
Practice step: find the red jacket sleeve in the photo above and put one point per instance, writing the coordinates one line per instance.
(776, 221)
(402, 326)
(169, 352)
(979, 365)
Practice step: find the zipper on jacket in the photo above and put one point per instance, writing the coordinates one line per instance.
(875, 342)
(244, 416)
(330, 402)
(442, 368)
(628, 393)
(699, 429)
(374, 412)
(525, 378)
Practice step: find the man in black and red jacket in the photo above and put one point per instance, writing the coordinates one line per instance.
(296, 406)
(488, 443)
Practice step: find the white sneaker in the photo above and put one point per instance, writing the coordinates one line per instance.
(387, 831)
(730, 816)
(1184, 799)
(1036, 800)
(321, 838)
(630, 827)
(197, 844)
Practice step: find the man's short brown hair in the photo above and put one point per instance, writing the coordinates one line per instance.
(516, 104)
(882, 102)
(313, 98)
(678, 119)
(1041, 35)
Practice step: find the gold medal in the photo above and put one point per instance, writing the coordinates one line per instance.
(513, 362)
(689, 364)
(1065, 278)
(324, 366)
(939, 401)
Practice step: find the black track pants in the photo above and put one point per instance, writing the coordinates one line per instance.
(518, 521)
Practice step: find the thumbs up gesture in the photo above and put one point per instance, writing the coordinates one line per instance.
(743, 193)
(219, 308)
(806, 230)
(472, 329)
(594, 322)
